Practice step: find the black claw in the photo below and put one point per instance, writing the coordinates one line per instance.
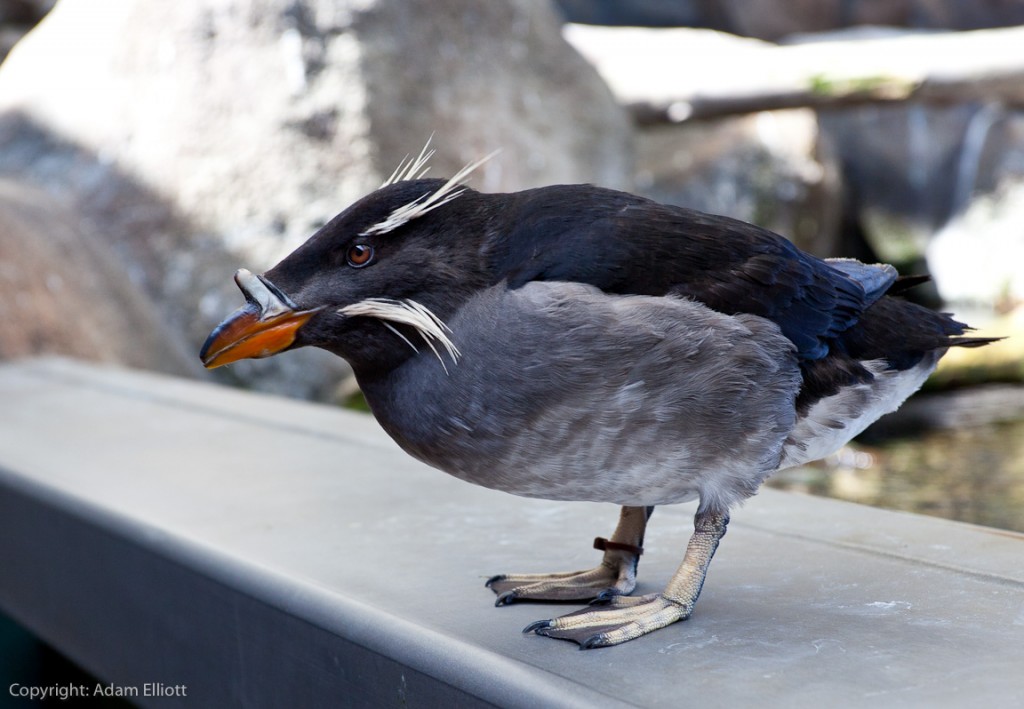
(505, 599)
(592, 642)
(495, 579)
(604, 597)
(536, 626)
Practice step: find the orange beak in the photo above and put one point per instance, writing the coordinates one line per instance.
(262, 327)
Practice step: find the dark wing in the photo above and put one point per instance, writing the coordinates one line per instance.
(621, 243)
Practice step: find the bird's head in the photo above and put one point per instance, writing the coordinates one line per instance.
(377, 282)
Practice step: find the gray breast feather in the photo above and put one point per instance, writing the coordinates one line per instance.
(564, 392)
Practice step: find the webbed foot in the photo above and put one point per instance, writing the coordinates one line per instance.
(615, 576)
(620, 620)
(625, 618)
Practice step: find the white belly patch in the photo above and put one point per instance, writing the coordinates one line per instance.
(833, 421)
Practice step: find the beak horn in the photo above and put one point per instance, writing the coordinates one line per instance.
(265, 325)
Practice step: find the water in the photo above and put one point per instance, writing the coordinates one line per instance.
(971, 473)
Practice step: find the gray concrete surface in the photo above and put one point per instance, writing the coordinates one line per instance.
(266, 552)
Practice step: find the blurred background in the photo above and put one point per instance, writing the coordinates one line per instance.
(148, 149)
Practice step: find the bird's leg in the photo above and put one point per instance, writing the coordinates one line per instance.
(615, 576)
(624, 619)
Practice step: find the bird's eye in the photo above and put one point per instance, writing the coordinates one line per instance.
(359, 255)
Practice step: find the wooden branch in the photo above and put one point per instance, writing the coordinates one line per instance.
(678, 75)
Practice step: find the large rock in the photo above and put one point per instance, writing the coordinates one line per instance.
(63, 291)
(485, 76)
(237, 127)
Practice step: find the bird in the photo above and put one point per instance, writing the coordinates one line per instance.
(578, 343)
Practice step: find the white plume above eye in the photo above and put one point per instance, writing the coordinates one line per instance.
(408, 312)
(412, 169)
(409, 169)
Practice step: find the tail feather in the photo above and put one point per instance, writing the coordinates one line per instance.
(973, 341)
(905, 283)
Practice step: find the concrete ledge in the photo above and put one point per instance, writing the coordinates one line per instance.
(265, 552)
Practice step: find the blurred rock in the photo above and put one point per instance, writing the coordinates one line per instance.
(769, 168)
(63, 291)
(203, 136)
(499, 75)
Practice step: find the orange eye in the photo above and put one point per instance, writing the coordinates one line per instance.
(359, 255)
